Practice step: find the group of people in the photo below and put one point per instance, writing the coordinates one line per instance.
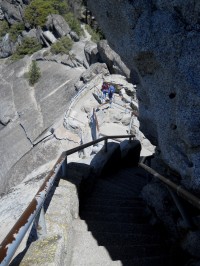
(108, 90)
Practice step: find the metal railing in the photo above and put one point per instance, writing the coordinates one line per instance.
(174, 191)
(34, 212)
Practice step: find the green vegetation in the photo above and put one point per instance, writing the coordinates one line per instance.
(34, 73)
(28, 46)
(74, 23)
(96, 36)
(63, 46)
(4, 28)
(37, 11)
(15, 30)
(60, 6)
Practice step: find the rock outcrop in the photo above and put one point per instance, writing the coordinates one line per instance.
(55, 28)
(112, 59)
(12, 10)
(159, 42)
(26, 113)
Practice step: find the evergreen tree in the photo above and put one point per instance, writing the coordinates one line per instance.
(34, 73)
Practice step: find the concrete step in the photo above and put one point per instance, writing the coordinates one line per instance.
(155, 261)
(105, 188)
(95, 239)
(107, 238)
(119, 217)
(116, 203)
(114, 253)
(113, 227)
(147, 261)
(134, 251)
(114, 209)
(123, 183)
(127, 176)
(116, 186)
(110, 201)
(87, 251)
(113, 195)
(97, 263)
(90, 254)
(130, 173)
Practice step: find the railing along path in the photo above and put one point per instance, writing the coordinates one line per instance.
(35, 212)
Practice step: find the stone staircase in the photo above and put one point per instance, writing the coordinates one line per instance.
(113, 227)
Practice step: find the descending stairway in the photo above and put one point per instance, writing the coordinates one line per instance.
(113, 228)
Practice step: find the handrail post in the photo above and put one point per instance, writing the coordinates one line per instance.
(40, 223)
(106, 146)
(64, 168)
(181, 209)
(130, 139)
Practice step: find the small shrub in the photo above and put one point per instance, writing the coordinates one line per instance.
(34, 73)
(63, 46)
(28, 46)
(96, 36)
(15, 30)
(74, 23)
(4, 28)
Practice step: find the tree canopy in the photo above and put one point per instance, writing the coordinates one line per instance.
(37, 11)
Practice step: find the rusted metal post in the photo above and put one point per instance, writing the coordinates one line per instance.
(64, 168)
(182, 210)
(105, 144)
(40, 223)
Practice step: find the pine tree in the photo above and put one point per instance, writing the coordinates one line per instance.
(34, 73)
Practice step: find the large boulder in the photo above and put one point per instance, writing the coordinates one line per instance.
(49, 36)
(93, 71)
(159, 42)
(91, 52)
(112, 59)
(12, 10)
(57, 25)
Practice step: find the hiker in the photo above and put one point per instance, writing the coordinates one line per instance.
(104, 90)
(111, 90)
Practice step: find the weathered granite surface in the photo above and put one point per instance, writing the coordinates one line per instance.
(112, 59)
(159, 41)
(27, 112)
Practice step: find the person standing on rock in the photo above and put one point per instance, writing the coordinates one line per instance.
(104, 90)
(111, 91)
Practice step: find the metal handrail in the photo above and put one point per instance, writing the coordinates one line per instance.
(13, 239)
(180, 191)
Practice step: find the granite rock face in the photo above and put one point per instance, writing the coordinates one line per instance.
(159, 42)
(28, 113)
(12, 10)
(112, 59)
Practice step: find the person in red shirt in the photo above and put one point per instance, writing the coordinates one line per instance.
(104, 89)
